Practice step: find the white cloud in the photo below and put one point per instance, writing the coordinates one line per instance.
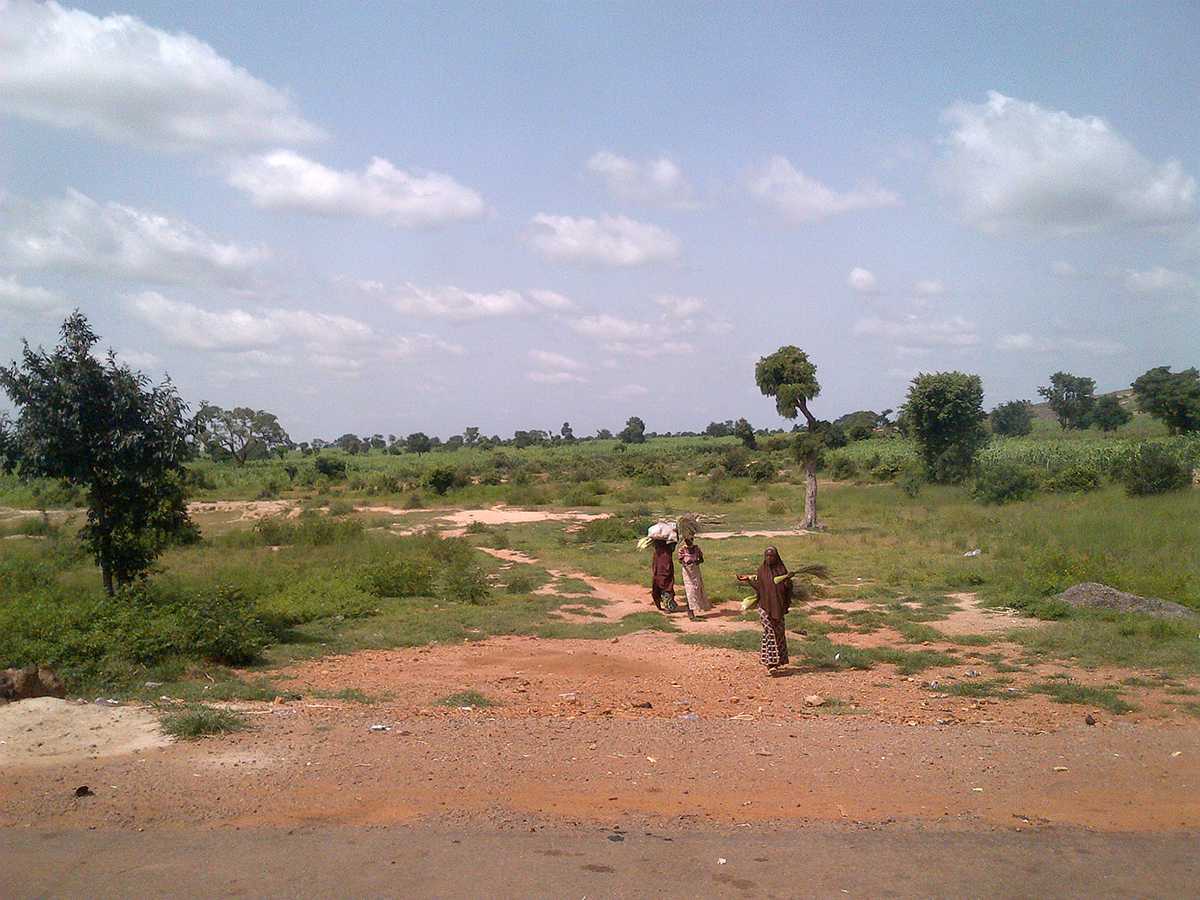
(556, 378)
(800, 198)
(627, 337)
(449, 302)
(914, 331)
(77, 233)
(1009, 163)
(139, 359)
(549, 360)
(286, 180)
(612, 328)
(551, 299)
(650, 349)
(654, 181)
(862, 281)
(1025, 342)
(681, 307)
(29, 300)
(1160, 281)
(609, 241)
(1063, 269)
(629, 392)
(929, 287)
(129, 82)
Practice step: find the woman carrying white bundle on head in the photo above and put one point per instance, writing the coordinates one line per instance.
(690, 559)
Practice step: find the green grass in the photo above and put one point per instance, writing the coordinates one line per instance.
(910, 662)
(199, 721)
(467, 698)
(986, 687)
(1083, 695)
(572, 586)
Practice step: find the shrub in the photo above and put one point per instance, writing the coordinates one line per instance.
(316, 596)
(842, 468)
(761, 471)
(521, 583)
(309, 530)
(912, 479)
(464, 583)
(414, 501)
(199, 720)
(1153, 469)
(221, 626)
(1003, 482)
(613, 530)
(441, 479)
(1075, 479)
(653, 475)
(331, 468)
(398, 577)
(887, 469)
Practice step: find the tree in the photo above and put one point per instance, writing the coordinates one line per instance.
(634, 431)
(1172, 398)
(1109, 414)
(719, 429)
(945, 417)
(241, 433)
(860, 425)
(789, 377)
(471, 435)
(101, 427)
(1071, 398)
(418, 442)
(567, 434)
(745, 433)
(349, 443)
(1012, 419)
(603, 434)
(377, 442)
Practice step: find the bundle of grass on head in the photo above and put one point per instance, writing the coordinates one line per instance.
(803, 586)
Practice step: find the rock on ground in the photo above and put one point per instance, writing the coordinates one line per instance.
(29, 682)
(1093, 595)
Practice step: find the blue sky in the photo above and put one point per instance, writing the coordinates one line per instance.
(385, 217)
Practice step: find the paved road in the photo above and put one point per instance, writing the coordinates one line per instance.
(424, 862)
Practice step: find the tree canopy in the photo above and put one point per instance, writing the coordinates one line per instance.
(1173, 398)
(241, 433)
(1012, 419)
(789, 377)
(102, 427)
(944, 415)
(634, 431)
(1071, 398)
(1109, 414)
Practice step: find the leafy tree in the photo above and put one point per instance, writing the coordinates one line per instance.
(567, 434)
(102, 428)
(1012, 419)
(944, 412)
(789, 377)
(1109, 414)
(241, 433)
(418, 442)
(471, 435)
(1172, 398)
(860, 425)
(634, 431)
(441, 479)
(1071, 398)
(454, 442)
(745, 433)
(719, 429)
(377, 442)
(604, 434)
(349, 443)
(329, 467)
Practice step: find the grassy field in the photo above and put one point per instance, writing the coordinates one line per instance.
(334, 579)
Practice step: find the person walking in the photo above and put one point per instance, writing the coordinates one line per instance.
(690, 559)
(662, 575)
(774, 601)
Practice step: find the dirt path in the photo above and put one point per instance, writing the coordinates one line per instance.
(589, 862)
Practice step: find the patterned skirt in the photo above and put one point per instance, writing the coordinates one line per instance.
(773, 651)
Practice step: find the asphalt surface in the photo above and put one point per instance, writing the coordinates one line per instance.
(817, 861)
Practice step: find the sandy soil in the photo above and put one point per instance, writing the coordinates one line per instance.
(49, 732)
(248, 510)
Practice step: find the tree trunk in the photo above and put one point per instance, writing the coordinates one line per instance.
(106, 569)
(810, 496)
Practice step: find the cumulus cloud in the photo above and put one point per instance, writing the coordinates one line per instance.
(285, 180)
(680, 307)
(629, 392)
(628, 337)
(129, 82)
(1063, 269)
(29, 300)
(1160, 281)
(551, 299)
(78, 234)
(139, 359)
(277, 337)
(609, 241)
(449, 302)
(1013, 164)
(547, 359)
(863, 281)
(914, 331)
(1025, 342)
(658, 182)
(929, 287)
(556, 377)
(799, 198)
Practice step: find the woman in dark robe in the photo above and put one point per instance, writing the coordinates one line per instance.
(774, 601)
(662, 575)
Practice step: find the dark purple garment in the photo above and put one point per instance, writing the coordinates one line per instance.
(662, 570)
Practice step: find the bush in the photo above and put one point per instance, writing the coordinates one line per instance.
(887, 469)
(464, 583)
(316, 596)
(441, 479)
(1153, 469)
(398, 578)
(1003, 482)
(222, 626)
(199, 720)
(1075, 479)
(331, 468)
(613, 530)
(761, 471)
(842, 468)
(912, 479)
(310, 530)
(414, 501)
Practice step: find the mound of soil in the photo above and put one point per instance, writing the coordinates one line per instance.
(1093, 595)
(48, 731)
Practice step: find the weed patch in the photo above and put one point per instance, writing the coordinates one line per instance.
(1083, 695)
(199, 721)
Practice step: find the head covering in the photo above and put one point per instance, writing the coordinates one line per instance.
(774, 599)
